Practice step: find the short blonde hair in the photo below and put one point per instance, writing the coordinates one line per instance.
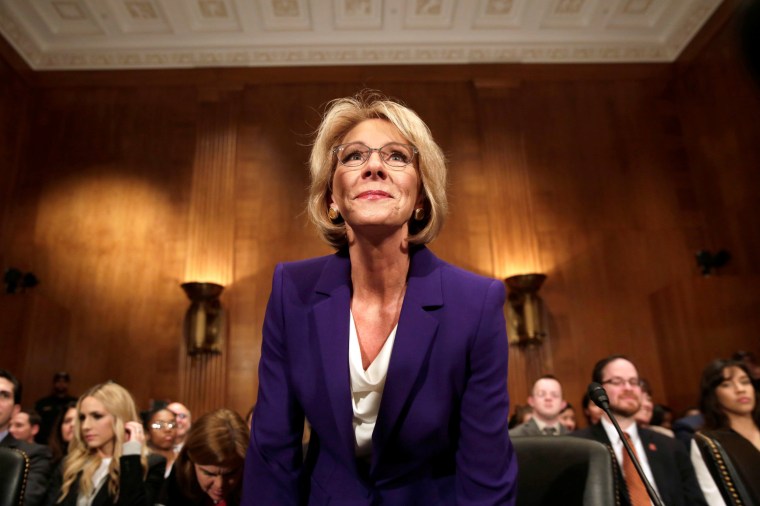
(341, 116)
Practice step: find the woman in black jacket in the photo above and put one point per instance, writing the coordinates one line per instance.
(107, 462)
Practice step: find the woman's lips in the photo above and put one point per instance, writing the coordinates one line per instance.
(373, 194)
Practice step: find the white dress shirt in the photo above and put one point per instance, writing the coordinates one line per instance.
(617, 446)
(366, 388)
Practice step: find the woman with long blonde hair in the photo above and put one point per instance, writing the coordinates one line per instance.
(107, 461)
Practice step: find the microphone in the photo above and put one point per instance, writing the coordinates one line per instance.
(598, 396)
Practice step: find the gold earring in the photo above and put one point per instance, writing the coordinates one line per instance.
(333, 214)
(419, 214)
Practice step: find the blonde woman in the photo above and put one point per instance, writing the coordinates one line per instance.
(383, 319)
(107, 461)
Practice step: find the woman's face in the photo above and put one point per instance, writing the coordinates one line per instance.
(67, 426)
(735, 393)
(644, 414)
(374, 196)
(162, 429)
(96, 425)
(567, 418)
(217, 482)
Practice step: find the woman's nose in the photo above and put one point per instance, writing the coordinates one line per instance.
(374, 165)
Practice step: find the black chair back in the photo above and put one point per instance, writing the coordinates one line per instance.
(722, 470)
(15, 469)
(564, 470)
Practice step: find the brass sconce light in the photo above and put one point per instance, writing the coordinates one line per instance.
(204, 321)
(524, 308)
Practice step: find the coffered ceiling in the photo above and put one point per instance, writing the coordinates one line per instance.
(127, 34)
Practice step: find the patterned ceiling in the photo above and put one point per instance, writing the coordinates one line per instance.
(127, 34)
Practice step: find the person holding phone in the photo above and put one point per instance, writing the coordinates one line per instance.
(107, 462)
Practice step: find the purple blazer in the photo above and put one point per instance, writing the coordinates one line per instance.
(441, 434)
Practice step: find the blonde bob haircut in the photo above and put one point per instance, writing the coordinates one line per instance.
(218, 438)
(118, 402)
(340, 117)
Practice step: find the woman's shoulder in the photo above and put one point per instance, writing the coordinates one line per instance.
(453, 274)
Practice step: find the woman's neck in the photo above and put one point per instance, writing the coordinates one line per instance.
(379, 269)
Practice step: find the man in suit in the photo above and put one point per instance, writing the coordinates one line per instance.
(664, 461)
(547, 403)
(25, 425)
(39, 455)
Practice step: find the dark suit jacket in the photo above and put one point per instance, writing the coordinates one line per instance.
(39, 468)
(133, 489)
(671, 467)
(530, 428)
(441, 433)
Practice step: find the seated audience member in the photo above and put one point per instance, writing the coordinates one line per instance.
(567, 418)
(49, 407)
(685, 427)
(591, 411)
(63, 433)
(662, 416)
(107, 461)
(644, 415)
(729, 403)
(753, 366)
(664, 461)
(209, 468)
(161, 427)
(184, 422)
(522, 414)
(546, 400)
(25, 425)
(39, 455)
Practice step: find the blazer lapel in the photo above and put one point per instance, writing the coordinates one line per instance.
(331, 321)
(656, 464)
(416, 330)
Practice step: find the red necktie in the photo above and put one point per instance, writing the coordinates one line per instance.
(636, 489)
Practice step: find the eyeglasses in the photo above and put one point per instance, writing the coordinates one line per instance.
(619, 382)
(180, 416)
(395, 155)
(163, 425)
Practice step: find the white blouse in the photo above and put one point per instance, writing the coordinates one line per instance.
(366, 388)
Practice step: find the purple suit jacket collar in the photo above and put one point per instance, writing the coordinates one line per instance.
(416, 332)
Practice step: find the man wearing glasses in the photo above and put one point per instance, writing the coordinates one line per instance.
(184, 422)
(663, 460)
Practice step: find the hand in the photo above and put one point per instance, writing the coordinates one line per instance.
(135, 432)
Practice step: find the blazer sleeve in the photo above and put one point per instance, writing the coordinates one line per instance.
(691, 491)
(486, 468)
(133, 489)
(273, 463)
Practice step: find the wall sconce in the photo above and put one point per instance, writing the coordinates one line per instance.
(204, 321)
(525, 308)
(708, 262)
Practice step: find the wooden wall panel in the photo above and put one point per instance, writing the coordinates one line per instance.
(606, 178)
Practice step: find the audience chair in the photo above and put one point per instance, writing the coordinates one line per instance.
(15, 469)
(722, 470)
(564, 470)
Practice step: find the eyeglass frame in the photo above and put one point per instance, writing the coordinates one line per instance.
(619, 382)
(340, 147)
(163, 425)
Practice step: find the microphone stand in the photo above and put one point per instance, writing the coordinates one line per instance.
(601, 400)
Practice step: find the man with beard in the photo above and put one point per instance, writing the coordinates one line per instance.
(547, 402)
(664, 461)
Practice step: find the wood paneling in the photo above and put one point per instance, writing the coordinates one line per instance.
(606, 178)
